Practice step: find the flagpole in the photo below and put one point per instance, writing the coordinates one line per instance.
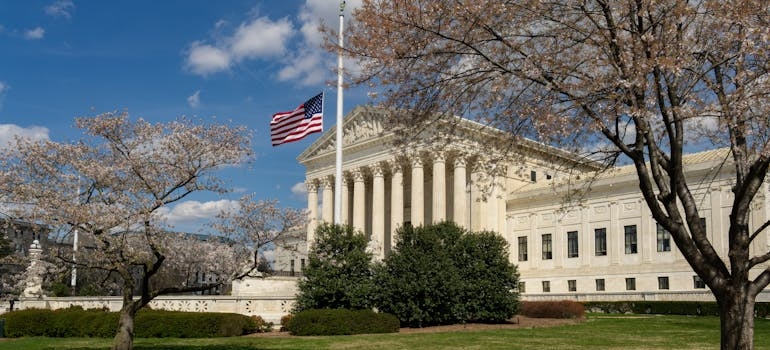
(338, 170)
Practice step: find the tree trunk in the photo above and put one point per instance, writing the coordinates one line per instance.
(124, 340)
(736, 313)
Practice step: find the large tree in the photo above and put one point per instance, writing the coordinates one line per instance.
(111, 187)
(647, 78)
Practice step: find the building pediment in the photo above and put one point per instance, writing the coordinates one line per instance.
(361, 126)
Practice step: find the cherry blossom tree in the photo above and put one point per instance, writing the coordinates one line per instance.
(260, 225)
(637, 80)
(109, 187)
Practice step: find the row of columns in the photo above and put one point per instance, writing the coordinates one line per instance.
(378, 173)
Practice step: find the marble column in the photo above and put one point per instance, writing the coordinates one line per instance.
(396, 200)
(418, 195)
(439, 187)
(378, 210)
(312, 210)
(359, 200)
(345, 206)
(478, 219)
(492, 205)
(327, 204)
(460, 200)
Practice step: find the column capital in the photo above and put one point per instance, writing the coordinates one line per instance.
(358, 174)
(377, 169)
(396, 166)
(439, 156)
(416, 161)
(327, 182)
(460, 161)
(311, 185)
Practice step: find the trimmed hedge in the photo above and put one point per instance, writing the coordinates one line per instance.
(76, 322)
(552, 309)
(341, 322)
(691, 308)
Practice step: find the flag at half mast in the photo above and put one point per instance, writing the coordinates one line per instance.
(302, 121)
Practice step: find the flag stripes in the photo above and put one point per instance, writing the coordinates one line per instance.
(295, 125)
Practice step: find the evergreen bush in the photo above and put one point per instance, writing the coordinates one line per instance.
(76, 322)
(341, 322)
(339, 273)
(442, 274)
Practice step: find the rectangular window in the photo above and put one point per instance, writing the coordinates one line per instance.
(703, 222)
(302, 264)
(600, 241)
(523, 248)
(572, 244)
(662, 282)
(572, 285)
(664, 238)
(291, 270)
(522, 287)
(599, 284)
(630, 233)
(533, 176)
(698, 282)
(546, 286)
(547, 247)
(630, 283)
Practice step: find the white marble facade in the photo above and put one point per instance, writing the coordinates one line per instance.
(606, 243)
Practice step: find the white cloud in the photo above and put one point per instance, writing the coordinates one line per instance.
(194, 211)
(194, 100)
(34, 33)
(8, 133)
(299, 189)
(3, 87)
(260, 38)
(303, 60)
(60, 8)
(204, 59)
(255, 39)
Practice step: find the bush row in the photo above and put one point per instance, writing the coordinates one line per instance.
(341, 322)
(692, 308)
(76, 322)
(552, 309)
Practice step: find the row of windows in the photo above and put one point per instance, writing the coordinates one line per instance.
(663, 239)
(663, 284)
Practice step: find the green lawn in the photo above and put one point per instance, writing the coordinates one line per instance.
(598, 332)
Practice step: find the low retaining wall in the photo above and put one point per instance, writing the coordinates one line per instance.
(271, 308)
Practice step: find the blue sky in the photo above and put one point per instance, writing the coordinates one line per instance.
(236, 60)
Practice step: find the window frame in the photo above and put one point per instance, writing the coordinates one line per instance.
(663, 283)
(572, 285)
(546, 246)
(573, 244)
(631, 239)
(600, 245)
(600, 285)
(630, 283)
(523, 255)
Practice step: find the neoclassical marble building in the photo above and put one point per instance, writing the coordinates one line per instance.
(605, 244)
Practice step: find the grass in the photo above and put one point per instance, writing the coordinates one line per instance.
(598, 332)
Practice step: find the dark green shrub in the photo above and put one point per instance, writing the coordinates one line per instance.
(76, 322)
(339, 274)
(442, 274)
(341, 322)
(177, 324)
(552, 309)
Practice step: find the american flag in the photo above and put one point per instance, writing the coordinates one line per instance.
(303, 120)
